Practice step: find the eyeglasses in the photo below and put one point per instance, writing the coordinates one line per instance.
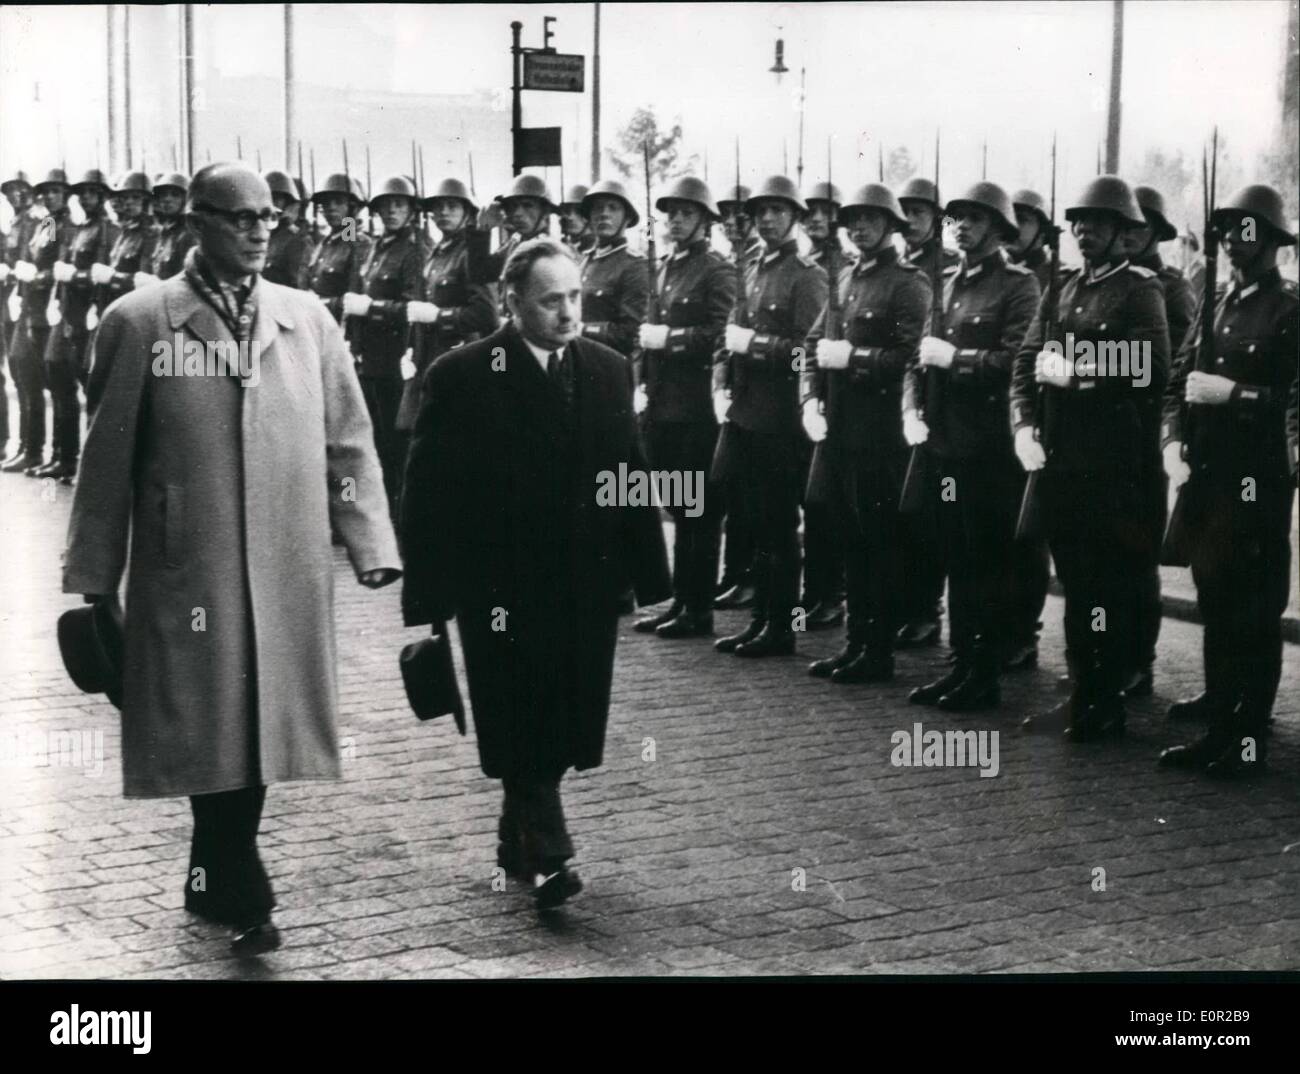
(245, 220)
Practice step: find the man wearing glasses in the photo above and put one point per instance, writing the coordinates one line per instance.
(227, 486)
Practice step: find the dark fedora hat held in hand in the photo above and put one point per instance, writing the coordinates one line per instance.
(430, 678)
(91, 644)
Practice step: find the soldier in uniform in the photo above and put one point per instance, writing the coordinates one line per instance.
(132, 252)
(1031, 245)
(18, 192)
(525, 213)
(173, 240)
(922, 559)
(574, 226)
(290, 250)
(67, 354)
(954, 402)
(1238, 423)
(40, 313)
(615, 281)
(764, 353)
(458, 311)
(392, 276)
(823, 545)
(854, 402)
(697, 290)
(1108, 356)
(736, 588)
(335, 267)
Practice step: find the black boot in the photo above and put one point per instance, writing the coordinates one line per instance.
(918, 635)
(930, 693)
(651, 623)
(18, 464)
(772, 640)
(1021, 656)
(731, 641)
(689, 624)
(867, 666)
(825, 615)
(1142, 683)
(53, 468)
(1054, 720)
(980, 688)
(1201, 707)
(1103, 719)
(740, 595)
(822, 668)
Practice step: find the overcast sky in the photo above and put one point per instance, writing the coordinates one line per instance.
(876, 73)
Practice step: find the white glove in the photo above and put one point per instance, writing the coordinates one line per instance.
(1053, 368)
(915, 430)
(15, 306)
(355, 305)
(640, 400)
(653, 337)
(4, 272)
(1028, 450)
(814, 421)
(54, 313)
(62, 271)
(100, 273)
(738, 339)
(833, 353)
(1175, 465)
(420, 312)
(145, 279)
(24, 272)
(937, 352)
(407, 365)
(92, 319)
(721, 404)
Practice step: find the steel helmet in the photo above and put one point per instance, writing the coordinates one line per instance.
(735, 199)
(824, 192)
(395, 186)
(610, 188)
(1152, 204)
(1031, 200)
(18, 179)
(337, 183)
(919, 189)
(1257, 200)
(452, 188)
(778, 188)
(573, 198)
(56, 177)
(875, 196)
(696, 191)
(137, 182)
(993, 198)
(93, 178)
(1108, 193)
(175, 180)
(281, 183)
(530, 186)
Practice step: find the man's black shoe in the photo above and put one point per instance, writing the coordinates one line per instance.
(919, 635)
(1055, 719)
(1064, 683)
(688, 625)
(1022, 657)
(740, 595)
(651, 623)
(53, 468)
(822, 668)
(255, 939)
(510, 857)
(770, 642)
(1200, 707)
(21, 463)
(731, 641)
(825, 615)
(552, 889)
(930, 693)
(972, 693)
(866, 667)
(1098, 722)
(1142, 684)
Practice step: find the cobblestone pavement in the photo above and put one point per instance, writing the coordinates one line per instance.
(760, 776)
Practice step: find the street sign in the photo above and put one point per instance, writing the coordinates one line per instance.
(558, 71)
(538, 147)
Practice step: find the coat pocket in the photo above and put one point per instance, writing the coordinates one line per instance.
(174, 526)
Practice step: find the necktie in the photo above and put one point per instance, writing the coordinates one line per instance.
(557, 369)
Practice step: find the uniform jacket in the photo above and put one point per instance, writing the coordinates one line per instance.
(884, 303)
(697, 290)
(392, 276)
(466, 311)
(288, 254)
(1038, 260)
(132, 252)
(87, 243)
(173, 242)
(988, 307)
(784, 293)
(500, 526)
(17, 248)
(1097, 423)
(335, 268)
(48, 241)
(615, 295)
(190, 473)
(923, 257)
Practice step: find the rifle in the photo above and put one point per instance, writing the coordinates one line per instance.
(1029, 523)
(1175, 550)
(724, 453)
(418, 212)
(369, 187)
(309, 210)
(655, 312)
(817, 488)
(880, 162)
(911, 499)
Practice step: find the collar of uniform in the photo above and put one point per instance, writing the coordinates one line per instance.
(790, 246)
(598, 251)
(920, 251)
(1033, 257)
(753, 249)
(696, 247)
(1151, 261)
(886, 255)
(970, 271)
(449, 241)
(1269, 280)
(1097, 275)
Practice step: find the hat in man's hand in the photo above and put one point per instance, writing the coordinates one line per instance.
(92, 644)
(430, 679)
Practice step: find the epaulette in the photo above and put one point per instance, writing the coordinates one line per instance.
(806, 261)
(715, 258)
(1141, 271)
(908, 266)
(1019, 268)
(950, 270)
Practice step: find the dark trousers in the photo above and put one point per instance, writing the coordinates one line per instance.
(27, 367)
(232, 887)
(1098, 532)
(1241, 564)
(63, 369)
(922, 567)
(532, 818)
(765, 489)
(4, 394)
(1027, 586)
(1156, 498)
(687, 448)
(823, 548)
(383, 397)
(866, 503)
(738, 550)
(977, 501)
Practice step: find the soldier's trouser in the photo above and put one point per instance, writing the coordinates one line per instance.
(765, 489)
(686, 448)
(1156, 498)
(1027, 586)
(1241, 563)
(977, 520)
(866, 502)
(823, 546)
(383, 396)
(922, 567)
(1097, 529)
(533, 814)
(233, 887)
(27, 366)
(62, 364)
(738, 548)
(4, 394)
